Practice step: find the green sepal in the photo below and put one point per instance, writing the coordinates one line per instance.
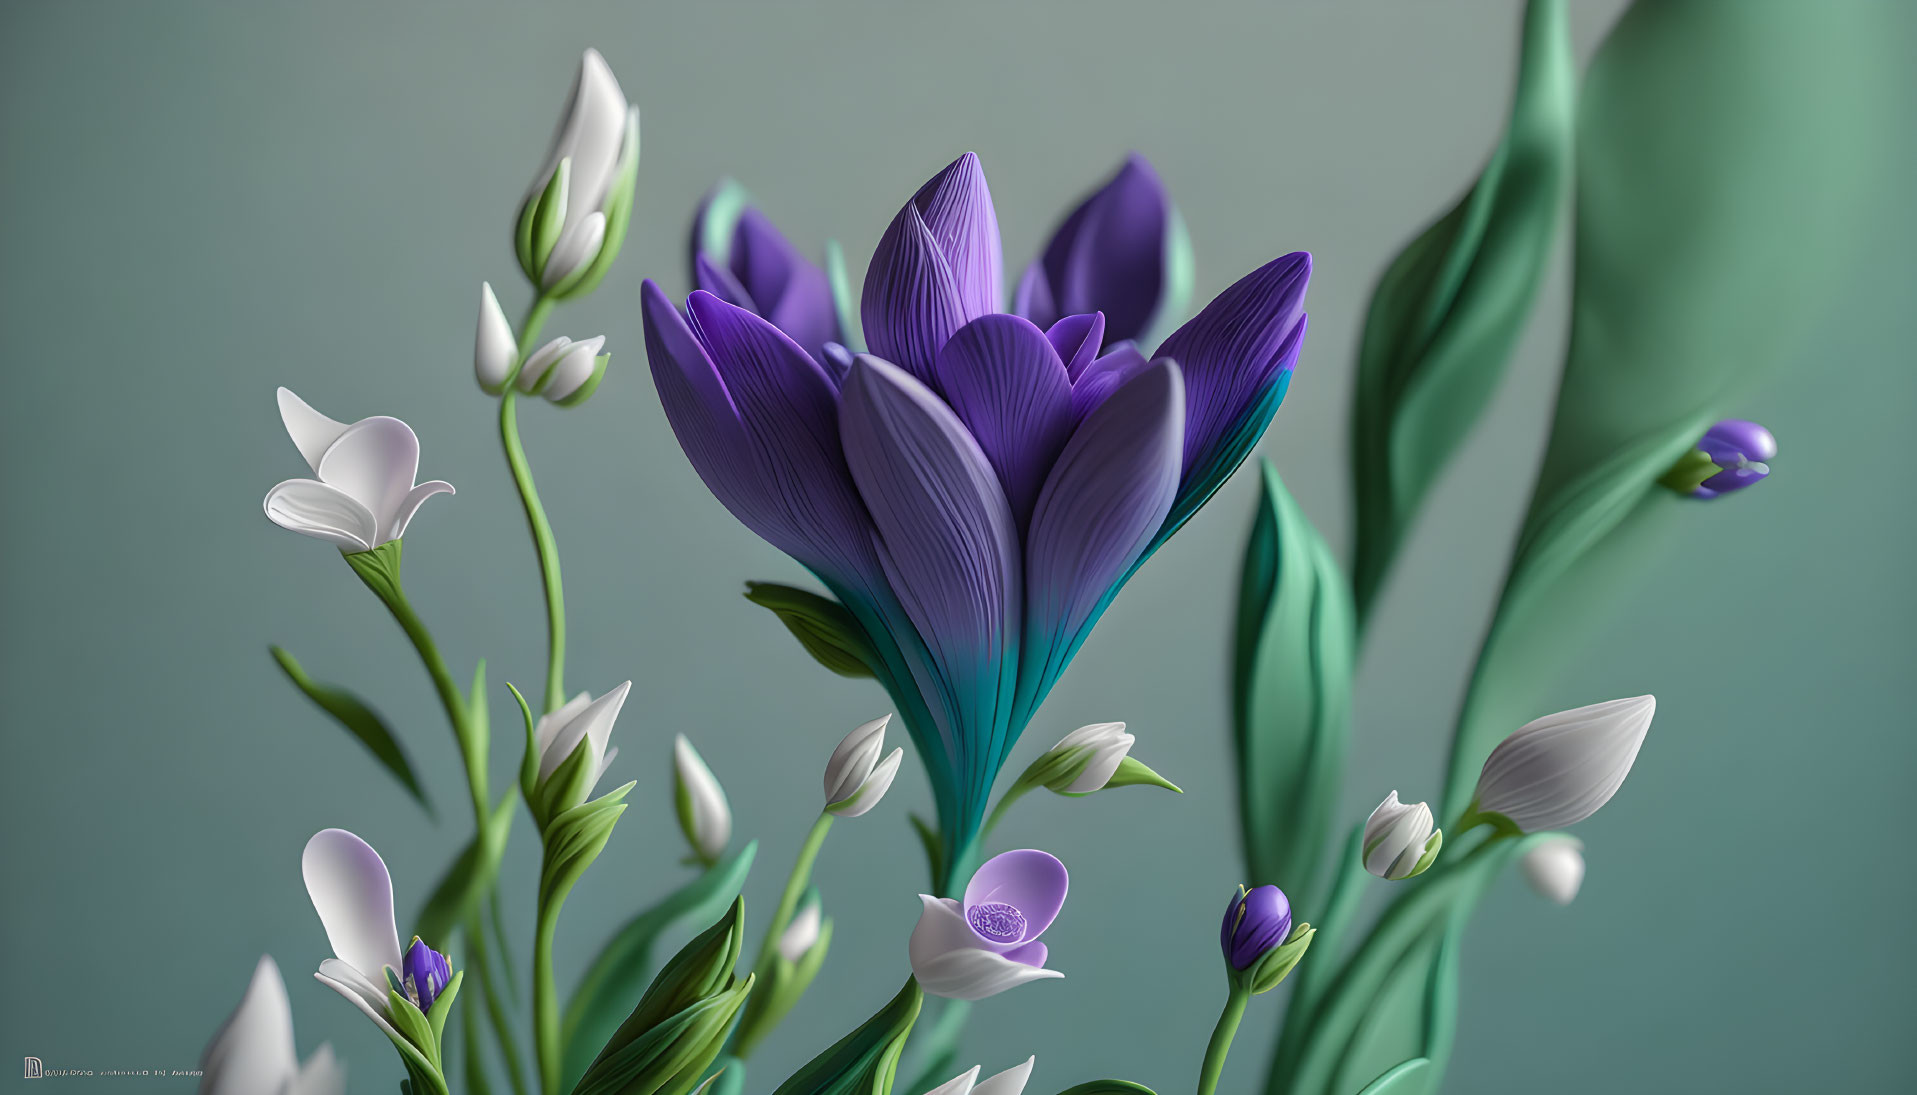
(1109, 1087)
(379, 569)
(866, 1061)
(529, 759)
(359, 719)
(442, 1007)
(459, 890)
(549, 218)
(822, 625)
(566, 788)
(933, 845)
(845, 306)
(618, 209)
(1130, 773)
(1430, 856)
(413, 1026)
(607, 990)
(1267, 972)
(1405, 1078)
(584, 391)
(1689, 472)
(574, 839)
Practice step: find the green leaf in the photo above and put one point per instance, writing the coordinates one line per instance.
(1109, 1087)
(359, 719)
(865, 1061)
(1448, 311)
(443, 1006)
(1291, 693)
(574, 839)
(845, 303)
(610, 987)
(822, 625)
(1724, 156)
(459, 890)
(669, 1057)
(1404, 1078)
(1133, 772)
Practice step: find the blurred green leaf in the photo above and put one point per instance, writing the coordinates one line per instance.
(1405, 1078)
(1449, 309)
(1291, 693)
(822, 625)
(359, 719)
(609, 989)
(458, 892)
(865, 1061)
(1109, 1087)
(1725, 152)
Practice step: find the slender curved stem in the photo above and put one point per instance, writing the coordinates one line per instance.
(546, 998)
(795, 883)
(1012, 794)
(543, 541)
(1221, 1036)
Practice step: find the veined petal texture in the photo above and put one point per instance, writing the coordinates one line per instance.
(1007, 385)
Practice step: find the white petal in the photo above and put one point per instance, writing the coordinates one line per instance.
(358, 999)
(1560, 769)
(574, 369)
(854, 758)
(494, 347)
(312, 508)
(253, 1051)
(375, 461)
(1555, 868)
(802, 932)
(957, 1085)
(321, 1075)
(312, 432)
(550, 724)
(975, 974)
(591, 131)
(874, 787)
(711, 818)
(353, 895)
(539, 361)
(1094, 735)
(1104, 762)
(410, 505)
(605, 763)
(1393, 832)
(593, 723)
(577, 247)
(1010, 1082)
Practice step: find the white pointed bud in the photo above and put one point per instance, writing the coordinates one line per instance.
(855, 777)
(801, 933)
(577, 373)
(541, 365)
(1558, 770)
(581, 723)
(1555, 868)
(1088, 757)
(1010, 1082)
(1399, 839)
(494, 349)
(592, 133)
(703, 814)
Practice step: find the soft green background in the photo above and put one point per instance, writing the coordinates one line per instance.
(200, 202)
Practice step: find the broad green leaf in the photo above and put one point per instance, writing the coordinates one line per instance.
(1448, 311)
(865, 1061)
(1291, 693)
(1109, 1087)
(461, 887)
(359, 720)
(669, 1056)
(822, 625)
(1724, 154)
(1405, 1078)
(609, 989)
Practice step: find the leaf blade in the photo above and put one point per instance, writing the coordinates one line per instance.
(359, 719)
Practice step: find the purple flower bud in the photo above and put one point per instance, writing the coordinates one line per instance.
(1255, 922)
(426, 975)
(1739, 448)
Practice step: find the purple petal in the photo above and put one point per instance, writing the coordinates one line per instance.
(910, 304)
(1031, 881)
(1232, 354)
(836, 360)
(1109, 254)
(947, 542)
(1103, 377)
(957, 207)
(1254, 923)
(1101, 507)
(1007, 385)
(701, 410)
(792, 291)
(1033, 297)
(1742, 436)
(1077, 340)
(1031, 954)
(717, 280)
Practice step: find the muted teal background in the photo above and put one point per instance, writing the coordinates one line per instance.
(200, 202)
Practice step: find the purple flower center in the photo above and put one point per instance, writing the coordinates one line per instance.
(997, 922)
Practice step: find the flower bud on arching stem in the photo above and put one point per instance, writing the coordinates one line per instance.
(1261, 945)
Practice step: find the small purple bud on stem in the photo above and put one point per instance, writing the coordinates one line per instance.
(1738, 450)
(1255, 922)
(426, 975)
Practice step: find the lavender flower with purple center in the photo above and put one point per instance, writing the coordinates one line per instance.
(1255, 922)
(426, 974)
(988, 942)
(976, 490)
(741, 257)
(1739, 448)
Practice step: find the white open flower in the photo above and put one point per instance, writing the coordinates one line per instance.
(800, 935)
(1399, 839)
(581, 723)
(597, 142)
(1558, 770)
(254, 1054)
(353, 894)
(494, 348)
(561, 368)
(364, 495)
(1091, 755)
(1010, 1082)
(1555, 868)
(855, 778)
(701, 802)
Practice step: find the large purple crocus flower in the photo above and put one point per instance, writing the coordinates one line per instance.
(1122, 251)
(741, 257)
(976, 490)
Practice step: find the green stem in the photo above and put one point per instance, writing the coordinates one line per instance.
(795, 884)
(543, 541)
(546, 998)
(495, 1012)
(1012, 794)
(1221, 1036)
